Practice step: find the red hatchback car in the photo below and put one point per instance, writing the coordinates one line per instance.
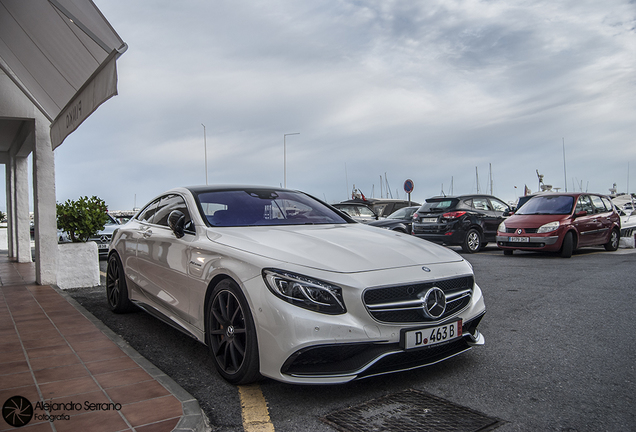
(561, 222)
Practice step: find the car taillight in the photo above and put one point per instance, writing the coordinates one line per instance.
(453, 215)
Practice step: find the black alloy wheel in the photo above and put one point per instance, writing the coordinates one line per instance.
(231, 334)
(614, 239)
(472, 241)
(116, 289)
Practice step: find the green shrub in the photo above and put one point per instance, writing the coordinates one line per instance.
(82, 219)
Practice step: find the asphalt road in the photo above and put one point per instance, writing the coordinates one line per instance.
(559, 353)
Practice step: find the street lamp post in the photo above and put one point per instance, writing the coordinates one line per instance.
(205, 147)
(285, 156)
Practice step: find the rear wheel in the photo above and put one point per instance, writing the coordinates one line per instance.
(116, 289)
(614, 238)
(472, 241)
(568, 245)
(231, 334)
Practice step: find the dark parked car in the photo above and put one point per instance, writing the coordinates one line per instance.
(469, 221)
(382, 207)
(400, 220)
(561, 222)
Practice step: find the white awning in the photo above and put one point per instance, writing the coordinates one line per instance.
(62, 54)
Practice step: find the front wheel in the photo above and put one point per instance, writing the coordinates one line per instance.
(231, 334)
(614, 238)
(472, 241)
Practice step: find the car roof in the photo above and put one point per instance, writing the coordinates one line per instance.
(197, 189)
(461, 196)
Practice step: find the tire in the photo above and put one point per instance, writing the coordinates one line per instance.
(568, 245)
(508, 252)
(472, 241)
(231, 334)
(613, 241)
(116, 289)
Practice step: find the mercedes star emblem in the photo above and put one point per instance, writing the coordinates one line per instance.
(434, 303)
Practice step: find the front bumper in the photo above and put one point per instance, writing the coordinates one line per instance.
(301, 346)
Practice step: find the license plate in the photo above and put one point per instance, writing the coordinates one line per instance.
(434, 219)
(519, 239)
(102, 246)
(431, 336)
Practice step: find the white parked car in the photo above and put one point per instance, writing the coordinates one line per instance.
(279, 284)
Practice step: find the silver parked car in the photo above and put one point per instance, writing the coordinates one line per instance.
(279, 284)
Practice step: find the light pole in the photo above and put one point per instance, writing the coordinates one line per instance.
(285, 156)
(205, 147)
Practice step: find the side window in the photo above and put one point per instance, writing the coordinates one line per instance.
(481, 204)
(608, 204)
(466, 204)
(599, 207)
(498, 206)
(584, 204)
(168, 204)
(146, 214)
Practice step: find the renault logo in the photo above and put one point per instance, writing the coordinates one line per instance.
(434, 303)
(519, 231)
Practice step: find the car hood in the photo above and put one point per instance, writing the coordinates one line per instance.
(339, 248)
(532, 221)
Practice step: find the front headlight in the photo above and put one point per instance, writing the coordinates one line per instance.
(502, 227)
(305, 292)
(549, 227)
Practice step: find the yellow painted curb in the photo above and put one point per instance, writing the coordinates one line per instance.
(254, 409)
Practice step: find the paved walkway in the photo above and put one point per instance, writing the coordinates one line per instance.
(53, 351)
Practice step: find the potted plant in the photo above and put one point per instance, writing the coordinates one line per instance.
(78, 261)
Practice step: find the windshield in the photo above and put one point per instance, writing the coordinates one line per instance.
(111, 220)
(554, 204)
(437, 205)
(261, 207)
(403, 213)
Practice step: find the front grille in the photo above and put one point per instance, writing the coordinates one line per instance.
(525, 230)
(403, 304)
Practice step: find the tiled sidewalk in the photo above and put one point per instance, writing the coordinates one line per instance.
(52, 352)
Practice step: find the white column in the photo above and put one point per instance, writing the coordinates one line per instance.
(44, 206)
(10, 175)
(21, 187)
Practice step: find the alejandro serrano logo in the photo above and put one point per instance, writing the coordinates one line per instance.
(18, 411)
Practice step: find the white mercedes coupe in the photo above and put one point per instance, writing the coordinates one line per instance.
(279, 284)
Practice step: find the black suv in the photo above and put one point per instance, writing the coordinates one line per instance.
(470, 221)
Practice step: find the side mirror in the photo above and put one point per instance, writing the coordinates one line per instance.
(176, 221)
(581, 213)
(508, 213)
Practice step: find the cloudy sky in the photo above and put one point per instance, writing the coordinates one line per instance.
(428, 90)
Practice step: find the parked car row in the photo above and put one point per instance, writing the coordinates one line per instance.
(554, 222)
